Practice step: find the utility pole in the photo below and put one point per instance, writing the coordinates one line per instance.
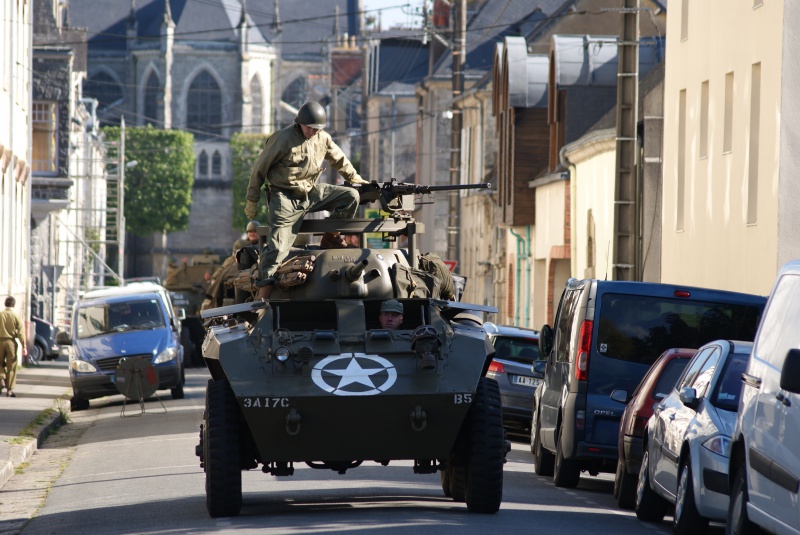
(459, 58)
(626, 261)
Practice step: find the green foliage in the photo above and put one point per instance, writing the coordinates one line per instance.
(245, 149)
(158, 190)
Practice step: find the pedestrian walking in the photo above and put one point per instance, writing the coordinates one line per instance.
(10, 331)
(291, 164)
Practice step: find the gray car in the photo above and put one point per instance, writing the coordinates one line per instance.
(516, 349)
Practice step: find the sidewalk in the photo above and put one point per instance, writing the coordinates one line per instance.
(38, 389)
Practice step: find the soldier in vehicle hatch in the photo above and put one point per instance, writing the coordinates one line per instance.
(252, 232)
(391, 316)
(290, 164)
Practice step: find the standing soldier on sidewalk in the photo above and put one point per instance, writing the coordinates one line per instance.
(10, 329)
(291, 164)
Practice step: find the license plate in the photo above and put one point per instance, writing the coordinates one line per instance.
(524, 380)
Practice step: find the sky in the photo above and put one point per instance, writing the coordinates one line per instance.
(393, 12)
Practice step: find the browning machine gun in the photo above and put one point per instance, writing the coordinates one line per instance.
(391, 193)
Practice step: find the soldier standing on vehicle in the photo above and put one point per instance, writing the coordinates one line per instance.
(291, 163)
(10, 329)
(391, 314)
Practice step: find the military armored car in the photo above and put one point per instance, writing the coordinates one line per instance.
(312, 378)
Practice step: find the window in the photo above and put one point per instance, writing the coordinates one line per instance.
(563, 328)
(44, 119)
(684, 20)
(216, 164)
(256, 118)
(204, 107)
(703, 379)
(152, 94)
(104, 88)
(202, 164)
(727, 132)
(295, 93)
(681, 193)
(755, 125)
(704, 120)
(729, 385)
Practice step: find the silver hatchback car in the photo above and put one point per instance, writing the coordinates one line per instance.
(516, 349)
(688, 440)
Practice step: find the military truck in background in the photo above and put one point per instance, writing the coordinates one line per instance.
(187, 282)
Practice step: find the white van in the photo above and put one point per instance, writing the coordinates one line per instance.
(764, 470)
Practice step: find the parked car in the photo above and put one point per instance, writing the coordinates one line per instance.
(688, 440)
(606, 335)
(764, 465)
(44, 345)
(135, 321)
(516, 349)
(656, 385)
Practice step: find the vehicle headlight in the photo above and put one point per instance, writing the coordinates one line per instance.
(170, 353)
(82, 366)
(721, 445)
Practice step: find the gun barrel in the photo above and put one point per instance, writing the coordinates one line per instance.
(425, 189)
(354, 271)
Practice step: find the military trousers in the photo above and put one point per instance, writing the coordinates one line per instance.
(8, 362)
(286, 213)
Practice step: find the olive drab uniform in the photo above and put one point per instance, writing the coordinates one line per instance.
(10, 329)
(290, 164)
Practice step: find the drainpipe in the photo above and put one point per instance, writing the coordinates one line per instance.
(520, 252)
(528, 279)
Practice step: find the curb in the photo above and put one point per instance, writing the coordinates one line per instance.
(22, 452)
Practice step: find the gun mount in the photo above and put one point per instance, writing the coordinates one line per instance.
(390, 194)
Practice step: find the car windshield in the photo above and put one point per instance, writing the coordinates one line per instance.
(729, 386)
(104, 318)
(639, 328)
(669, 376)
(516, 348)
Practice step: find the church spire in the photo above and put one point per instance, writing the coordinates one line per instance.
(277, 26)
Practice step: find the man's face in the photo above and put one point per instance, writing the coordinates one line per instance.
(252, 235)
(308, 131)
(391, 320)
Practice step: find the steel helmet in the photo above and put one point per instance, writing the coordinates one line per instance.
(313, 115)
(252, 226)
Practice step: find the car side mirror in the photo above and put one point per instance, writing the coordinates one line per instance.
(620, 395)
(538, 367)
(790, 374)
(546, 340)
(688, 397)
(63, 339)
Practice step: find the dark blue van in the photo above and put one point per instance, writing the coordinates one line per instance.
(136, 321)
(605, 337)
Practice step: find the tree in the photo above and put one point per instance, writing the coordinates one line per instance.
(245, 149)
(158, 189)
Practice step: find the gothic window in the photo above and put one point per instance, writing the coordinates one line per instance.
(295, 93)
(152, 93)
(216, 164)
(45, 125)
(204, 107)
(257, 121)
(104, 88)
(202, 164)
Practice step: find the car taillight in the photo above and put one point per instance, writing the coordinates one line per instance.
(496, 367)
(637, 426)
(580, 419)
(584, 347)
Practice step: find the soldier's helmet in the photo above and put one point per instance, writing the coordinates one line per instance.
(313, 115)
(238, 244)
(252, 226)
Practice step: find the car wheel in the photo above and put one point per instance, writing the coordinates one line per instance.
(484, 481)
(35, 354)
(458, 483)
(78, 404)
(624, 487)
(650, 507)
(223, 471)
(738, 522)
(543, 459)
(566, 472)
(444, 475)
(687, 519)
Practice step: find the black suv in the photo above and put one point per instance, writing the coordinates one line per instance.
(605, 336)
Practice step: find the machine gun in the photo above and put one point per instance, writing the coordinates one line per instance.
(390, 194)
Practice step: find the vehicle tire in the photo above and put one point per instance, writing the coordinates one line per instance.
(650, 507)
(624, 487)
(35, 354)
(222, 463)
(484, 481)
(445, 477)
(687, 519)
(738, 523)
(78, 404)
(543, 459)
(566, 472)
(458, 483)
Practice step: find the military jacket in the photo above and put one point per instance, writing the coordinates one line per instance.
(292, 162)
(10, 325)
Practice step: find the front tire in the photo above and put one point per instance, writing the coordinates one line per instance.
(221, 444)
(543, 459)
(624, 487)
(687, 519)
(444, 475)
(738, 523)
(650, 507)
(484, 485)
